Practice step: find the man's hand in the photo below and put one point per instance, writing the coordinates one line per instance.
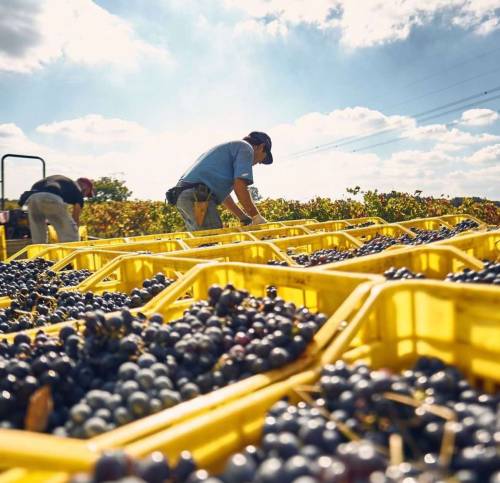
(258, 219)
(246, 220)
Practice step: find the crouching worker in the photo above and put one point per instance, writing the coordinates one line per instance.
(47, 201)
(215, 174)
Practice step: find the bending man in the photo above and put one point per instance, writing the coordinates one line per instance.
(213, 177)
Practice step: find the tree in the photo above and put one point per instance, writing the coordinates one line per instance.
(110, 189)
(254, 193)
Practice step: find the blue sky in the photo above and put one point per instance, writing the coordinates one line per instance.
(139, 89)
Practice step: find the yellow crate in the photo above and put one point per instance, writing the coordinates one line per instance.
(222, 239)
(332, 225)
(152, 246)
(393, 230)
(92, 260)
(264, 226)
(129, 271)
(3, 243)
(21, 475)
(484, 245)
(460, 324)
(284, 232)
(302, 221)
(319, 241)
(433, 261)
(216, 231)
(365, 219)
(309, 288)
(455, 219)
(434, 223)
(178, 235)
(247, 252)
(52, 235)
(47, 252)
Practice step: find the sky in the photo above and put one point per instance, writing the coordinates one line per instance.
(382, 94)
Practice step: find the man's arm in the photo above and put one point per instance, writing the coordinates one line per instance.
(77, 209)
(241, 189)
(230, 204)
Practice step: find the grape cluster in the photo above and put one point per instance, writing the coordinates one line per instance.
(489, 274)
(45, 305)
(320, 257)
(121, 367)
(19, 275)
(345, 436)
(359, 225)
(429, 236)
(402, 273)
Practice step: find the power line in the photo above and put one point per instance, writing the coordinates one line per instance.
(353, 139)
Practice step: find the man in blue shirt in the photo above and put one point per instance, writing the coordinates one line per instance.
(215, 174)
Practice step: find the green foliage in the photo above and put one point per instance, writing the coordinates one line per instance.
(128, 218)
(110, 189)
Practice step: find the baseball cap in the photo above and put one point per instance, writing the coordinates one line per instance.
(88, 183)
(263, 138)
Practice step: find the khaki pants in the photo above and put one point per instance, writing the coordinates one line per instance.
(185, 205)
(43, 207)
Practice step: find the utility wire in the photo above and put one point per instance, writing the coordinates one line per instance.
(350, 139)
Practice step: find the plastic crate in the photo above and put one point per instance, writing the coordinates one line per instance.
(21, 475)
(264, 226)
(433, 261)
(320, 241)
(178, 235)
(398, 333)
(92, 260)
(312, 289)
(222, 239)
(484, 246)
(129, 271)
(152, 246)
(216, 231)
(247, 252)
(284, 232)
(393, 230)
(434, 223)
(332, 225)
(48, 252)
(302, 221)
(455, 219)
(365, 219)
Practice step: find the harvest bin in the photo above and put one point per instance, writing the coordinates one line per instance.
(390, 332)
(301, 221)
(455, 219)
(370, 232)
(284, 232)
(484, 246)
(246, 252)
(433, 261)
(337, 295)
(123, 274)
(434, 223)
(332, 225)
(222, 239)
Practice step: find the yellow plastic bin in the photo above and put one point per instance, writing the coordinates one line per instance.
(302, 221)
(398, 323)
(92, 259)
(432, 261)
(393, 230)
(318, 241)
(338, 295)
(455, 219)
(365, 219)
(178, 235)
(47, 252)
(484, 245)
(326, 226)
(434, 223)
(216, 231)
(52, 235)
(264, 226)
(223, 239)
(284, 232)
(246, 252)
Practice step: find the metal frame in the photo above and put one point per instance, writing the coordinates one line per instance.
(2, 180)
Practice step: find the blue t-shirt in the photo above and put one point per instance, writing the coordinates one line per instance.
(219, 167)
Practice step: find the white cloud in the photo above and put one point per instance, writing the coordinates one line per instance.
(274, 28)
(371, 22)
(10, 131)
(479, 117)
(485, 156)
(94, 128)
(444, 134)
(34, 33)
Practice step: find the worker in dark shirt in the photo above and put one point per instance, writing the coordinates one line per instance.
(47, 201)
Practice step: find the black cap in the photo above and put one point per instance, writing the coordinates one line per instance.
(263, 138)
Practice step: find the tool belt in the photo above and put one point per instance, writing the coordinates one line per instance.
(202, 192)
